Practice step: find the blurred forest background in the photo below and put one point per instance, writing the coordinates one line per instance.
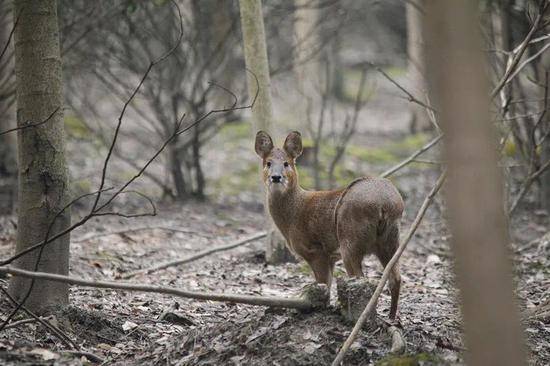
(351, 77)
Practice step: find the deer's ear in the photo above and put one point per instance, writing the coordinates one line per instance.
(293, 144)
(263, 145)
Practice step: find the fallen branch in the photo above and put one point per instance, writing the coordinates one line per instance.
(21, 322)
(398, 344)
(91, 236)
(412, 157)
(194, 257)
(90, 356)
(372, 302)
(272, 301)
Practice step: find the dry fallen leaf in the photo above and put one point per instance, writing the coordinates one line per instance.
(46, 354)
(128, 325)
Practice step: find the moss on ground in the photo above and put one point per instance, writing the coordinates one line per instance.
(419, 359)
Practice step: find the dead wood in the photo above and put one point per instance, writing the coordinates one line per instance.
(273, 301)
(194, 257)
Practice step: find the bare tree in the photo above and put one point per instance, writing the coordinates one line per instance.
(43, 183)
(475, 187)
(192, 80)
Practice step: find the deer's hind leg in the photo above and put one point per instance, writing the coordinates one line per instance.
(387, 245)
(355, 242)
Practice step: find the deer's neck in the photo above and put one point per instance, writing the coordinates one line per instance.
(285, 207)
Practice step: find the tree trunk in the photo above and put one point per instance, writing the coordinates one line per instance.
(416, 68)
(544, 72)
(199, 176)
(43, 178)
(8, 162)
(475, 188)
(175, 170)
(255, 52)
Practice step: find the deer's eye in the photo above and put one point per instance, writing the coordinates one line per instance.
(286, 164)
(268, 164)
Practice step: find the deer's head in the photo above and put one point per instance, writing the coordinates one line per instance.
(279, 165)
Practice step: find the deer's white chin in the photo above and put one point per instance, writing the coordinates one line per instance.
(277, 187)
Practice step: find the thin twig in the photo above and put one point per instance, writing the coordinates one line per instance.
(196, 256)
(526, 185)
(373, 300)
(29, 124)
(520, 50)
(273, 301)
(411, 158)
(22, 322)
(5, 48)
(410, 97)
(52, 328)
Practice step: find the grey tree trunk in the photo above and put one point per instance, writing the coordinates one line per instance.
(544, 73)
(43, 181)
(255, 52)
(416, 68)
(8, 160)
(475, 188)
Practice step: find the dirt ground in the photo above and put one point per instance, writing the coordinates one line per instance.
(126, 328)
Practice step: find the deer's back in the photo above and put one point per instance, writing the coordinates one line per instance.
(368, 202)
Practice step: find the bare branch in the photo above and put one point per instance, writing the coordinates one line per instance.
(411, 158)
(520, 50)
(196, 256)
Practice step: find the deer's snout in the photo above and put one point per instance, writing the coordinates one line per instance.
(276, 179)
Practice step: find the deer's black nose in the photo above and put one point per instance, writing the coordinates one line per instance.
(276, 178)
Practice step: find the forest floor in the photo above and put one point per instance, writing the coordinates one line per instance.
(130, 328)
(127, 328)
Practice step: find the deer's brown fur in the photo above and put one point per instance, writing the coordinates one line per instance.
(323, 226)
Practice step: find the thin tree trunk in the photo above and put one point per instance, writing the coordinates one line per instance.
(8, 161)
(175, 170)
(544, 71)
(43, 178)
(416, 68)
(255, 52)
(475, 188)
(199, 176)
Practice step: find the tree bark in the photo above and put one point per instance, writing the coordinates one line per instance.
(475, 187)
(43, 178)
(8, 160)
(255, 52)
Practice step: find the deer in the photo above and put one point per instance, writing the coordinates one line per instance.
(324, 226)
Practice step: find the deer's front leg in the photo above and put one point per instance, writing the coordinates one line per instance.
(322, 266)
